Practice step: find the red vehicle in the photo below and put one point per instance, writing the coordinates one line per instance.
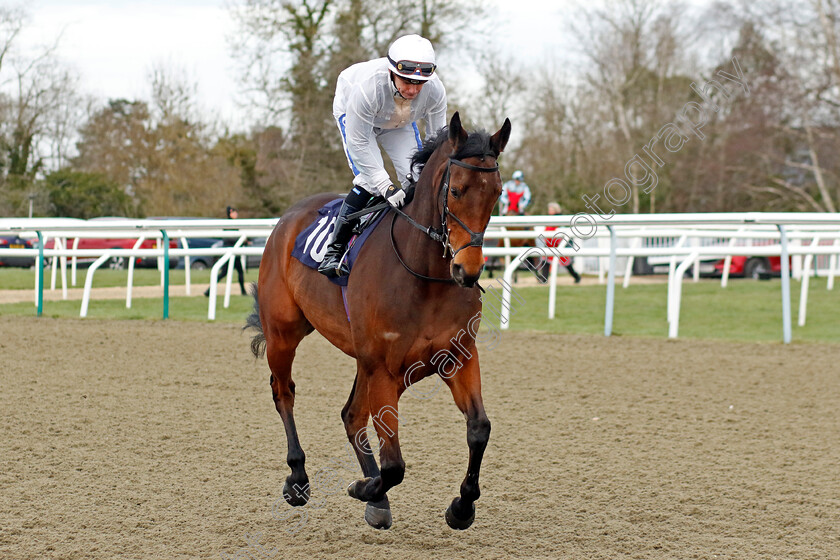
(752, 267)
(117, 243)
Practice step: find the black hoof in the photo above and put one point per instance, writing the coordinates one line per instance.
(455, 522)
(356, 489)
(378, 514)
(296, 494)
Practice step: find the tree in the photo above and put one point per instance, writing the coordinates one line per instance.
(183, 176)
(166, 162)
(635, 69)
(240, 153)
(291, 53)
(76, 194)
(790, 120)
(116, 141)
(38, 103)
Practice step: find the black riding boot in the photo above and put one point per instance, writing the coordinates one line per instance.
(338, 244)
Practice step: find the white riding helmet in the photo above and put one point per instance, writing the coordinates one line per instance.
(412, 57)
(518, 175)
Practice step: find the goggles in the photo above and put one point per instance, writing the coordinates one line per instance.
(410, 68)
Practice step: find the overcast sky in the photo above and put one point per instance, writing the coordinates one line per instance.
(112, 44)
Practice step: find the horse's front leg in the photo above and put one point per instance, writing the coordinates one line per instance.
(466, 390)
(383, 394)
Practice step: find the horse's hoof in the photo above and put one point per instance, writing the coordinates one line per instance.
(378, 514)
(297, 495)
(456, 523)
(355, 489)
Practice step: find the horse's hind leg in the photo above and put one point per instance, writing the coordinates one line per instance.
(355, 415)
(281, 343)
(382, 397)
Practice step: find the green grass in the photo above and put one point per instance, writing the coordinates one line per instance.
(24, 279)
(180, 308)
(746, 310)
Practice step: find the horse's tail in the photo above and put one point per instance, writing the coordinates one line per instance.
(253, 322)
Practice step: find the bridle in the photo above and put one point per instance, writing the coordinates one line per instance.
(441, 235)
(476, 239)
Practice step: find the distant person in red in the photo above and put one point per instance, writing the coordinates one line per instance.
(232, 214)
(516, 196)
(555, 209)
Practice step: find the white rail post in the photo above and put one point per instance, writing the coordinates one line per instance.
(130, 282)
(54, 262)
(675, 294)
(608, 314)
(63, 263)
(727, 262)
(806, 279)
(231, 264)
(186, 245)
(552, 285)
(628, 269)
(506, 241)
(601, 261)
(214, 272)
(695, 270)
(89, 281)
(796, 260)
(832, 267)
(504, 316)
(73, 266)
(786, 328)
(672, 267)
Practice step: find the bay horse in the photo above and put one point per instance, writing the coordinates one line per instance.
(405, 305)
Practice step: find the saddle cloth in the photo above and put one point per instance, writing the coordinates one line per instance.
(311, 243)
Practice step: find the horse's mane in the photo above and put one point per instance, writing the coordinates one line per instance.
(477, 145)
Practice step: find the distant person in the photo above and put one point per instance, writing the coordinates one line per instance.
(555, 209)
(516, 196)
(232, 214)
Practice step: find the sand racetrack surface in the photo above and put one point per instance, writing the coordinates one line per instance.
(135, 439)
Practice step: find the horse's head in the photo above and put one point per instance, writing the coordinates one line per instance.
(471, 185)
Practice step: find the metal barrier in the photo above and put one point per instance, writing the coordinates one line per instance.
(62, 229)
(812, 226)
(699, 236)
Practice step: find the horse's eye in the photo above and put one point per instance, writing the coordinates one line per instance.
(456, 193)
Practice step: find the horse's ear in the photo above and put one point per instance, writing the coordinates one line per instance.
(499, 140)
(457, 134)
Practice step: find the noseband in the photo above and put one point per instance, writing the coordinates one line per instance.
(441, 235)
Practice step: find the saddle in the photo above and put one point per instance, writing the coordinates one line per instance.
(311, 243)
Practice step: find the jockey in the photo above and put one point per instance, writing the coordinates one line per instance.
(380, 101)
(515, 195)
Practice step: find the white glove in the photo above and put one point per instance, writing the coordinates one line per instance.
(395, 196)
